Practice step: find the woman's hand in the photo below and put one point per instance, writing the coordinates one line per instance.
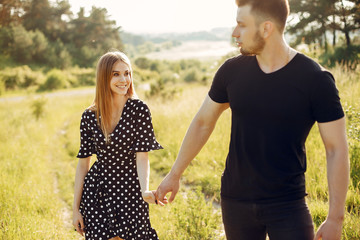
(78, 222)
(149, 197)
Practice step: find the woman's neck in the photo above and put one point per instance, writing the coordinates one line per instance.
(118, 102)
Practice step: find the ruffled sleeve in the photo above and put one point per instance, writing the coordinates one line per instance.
(86, 137)
(145, 140)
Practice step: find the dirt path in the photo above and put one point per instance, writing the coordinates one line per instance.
(65, 211)
(63, 93)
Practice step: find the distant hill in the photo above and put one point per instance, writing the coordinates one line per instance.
(216, 34)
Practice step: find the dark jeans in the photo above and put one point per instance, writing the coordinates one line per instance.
(281, 221)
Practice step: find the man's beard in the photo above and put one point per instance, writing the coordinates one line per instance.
(259, 44)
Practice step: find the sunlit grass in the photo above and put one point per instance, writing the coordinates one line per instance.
(29, 205)
(37, 159)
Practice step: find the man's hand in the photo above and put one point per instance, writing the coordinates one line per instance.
(329, 230)
(168, 184)
(149, 197)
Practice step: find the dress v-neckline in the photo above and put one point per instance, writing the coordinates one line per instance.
(121, 117)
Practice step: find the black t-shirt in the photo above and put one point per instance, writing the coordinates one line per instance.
(272, 115)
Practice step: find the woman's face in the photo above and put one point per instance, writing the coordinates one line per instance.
(120, 79)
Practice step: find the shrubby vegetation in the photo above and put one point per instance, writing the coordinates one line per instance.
(52, 56)
(347, 56)
(37, 32)
(44, 46)
(195, 213)
(330, 27)
(23, 78)
(165, 76)
(159, 74)
(20, 77)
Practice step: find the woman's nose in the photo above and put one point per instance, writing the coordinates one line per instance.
(122, 78)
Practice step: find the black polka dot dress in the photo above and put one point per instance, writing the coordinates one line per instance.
(111, 203)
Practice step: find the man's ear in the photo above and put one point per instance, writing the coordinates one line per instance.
(267, 29)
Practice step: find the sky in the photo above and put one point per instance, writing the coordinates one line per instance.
(160, 16)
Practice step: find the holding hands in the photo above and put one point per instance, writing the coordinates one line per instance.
(149, 197)
(169, 184)
(78, 222)
(330, 230)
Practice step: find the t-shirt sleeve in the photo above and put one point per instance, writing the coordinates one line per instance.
(218, 91)
(86, 138)
(326, 105)
(145, 140)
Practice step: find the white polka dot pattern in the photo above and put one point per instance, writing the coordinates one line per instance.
(111, 202)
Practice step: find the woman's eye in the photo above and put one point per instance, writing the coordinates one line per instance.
(126, 74)
(116, 74)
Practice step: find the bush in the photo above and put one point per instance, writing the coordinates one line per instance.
(29, 77)
(55, 79)
(190, 63)
(169, 76)
(38, 107)
(84, 76)
(20, 77)
(2, 87)
(196, 217)
(191, 75)
(9, 79)
(144, 75)
(156, 88)
(347, 56)
(142, 63)
(156, 66)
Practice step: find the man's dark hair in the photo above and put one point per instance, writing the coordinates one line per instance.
(275, 10)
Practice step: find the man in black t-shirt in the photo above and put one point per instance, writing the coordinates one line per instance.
(275, 95)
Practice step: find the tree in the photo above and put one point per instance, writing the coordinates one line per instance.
(317, 17)
(44, 31)
(39, 14)
(61, 14)
(11, 11)
(22, 44)
(6, 39)
(91, 36)
(27, 46)
(357, 14)
(346, 13)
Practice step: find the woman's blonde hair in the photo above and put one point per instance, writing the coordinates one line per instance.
(103, 97)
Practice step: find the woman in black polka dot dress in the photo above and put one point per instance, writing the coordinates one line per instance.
(111, 199)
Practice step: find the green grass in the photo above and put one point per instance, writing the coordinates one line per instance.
(37, 159)
(30, 208)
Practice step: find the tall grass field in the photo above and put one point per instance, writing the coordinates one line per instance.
(39, 138)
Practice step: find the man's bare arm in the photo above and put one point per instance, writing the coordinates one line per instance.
(196, 136)
(333, 135)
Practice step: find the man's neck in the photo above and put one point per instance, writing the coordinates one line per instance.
(275, 55)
